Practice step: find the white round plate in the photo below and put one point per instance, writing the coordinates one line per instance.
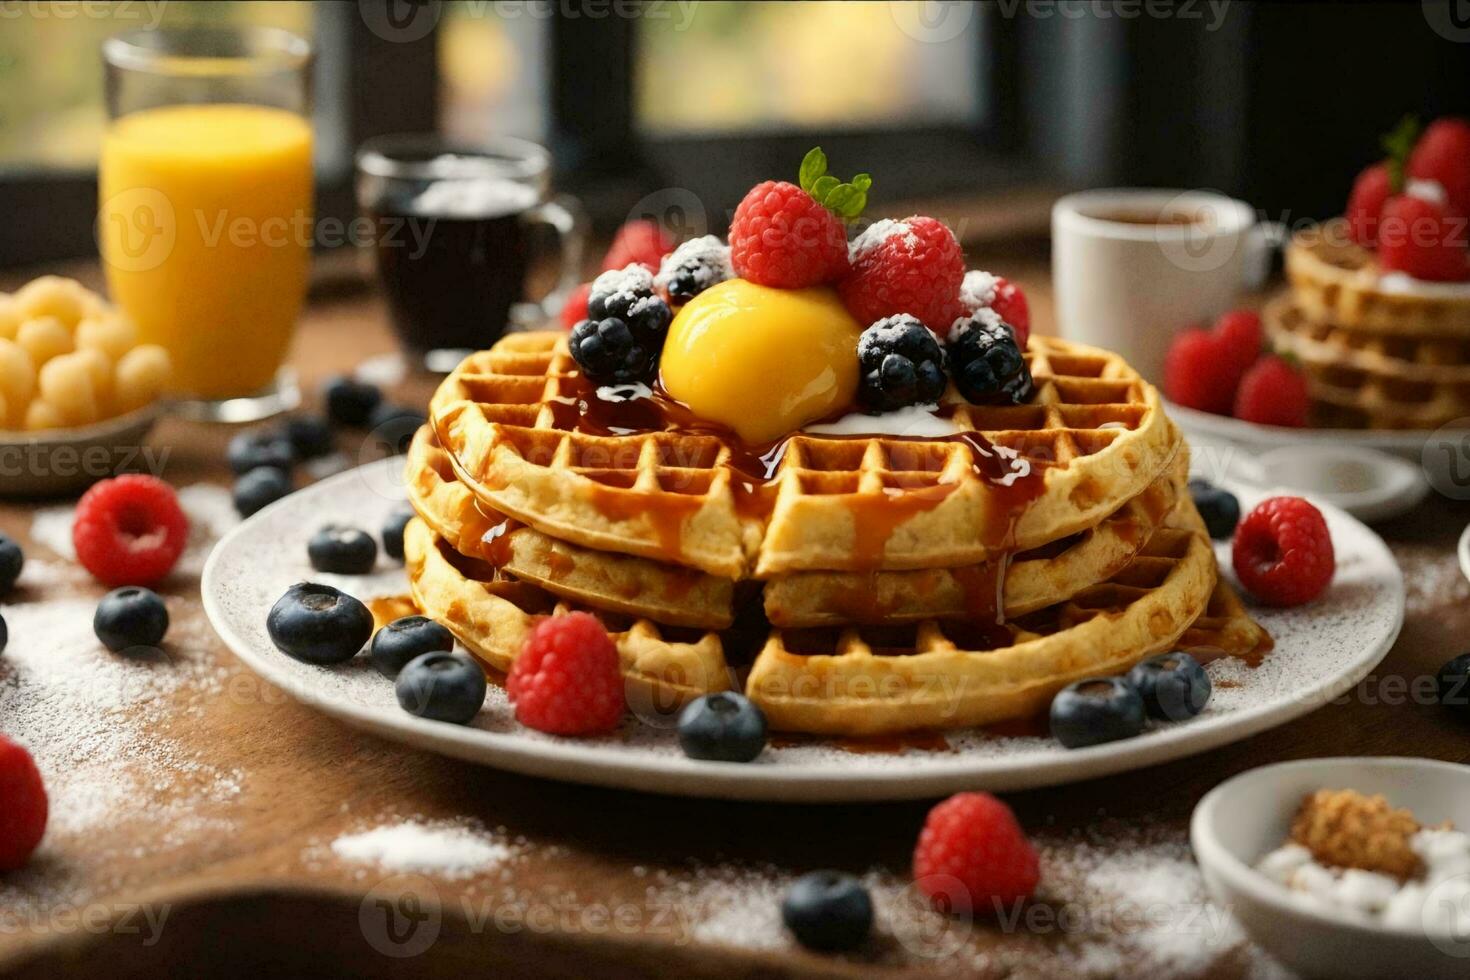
(1464, 551)
(1406, 443)
(1322, 650)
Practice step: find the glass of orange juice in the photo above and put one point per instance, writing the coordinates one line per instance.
(205, 207)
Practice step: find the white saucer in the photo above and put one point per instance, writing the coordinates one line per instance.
(1322, 650)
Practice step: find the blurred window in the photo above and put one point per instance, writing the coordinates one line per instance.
(492, 70)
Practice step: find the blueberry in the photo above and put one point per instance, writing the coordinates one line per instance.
(723, 727)
(828, 911)
(318, 624)
(901, 364)
(1173, 686)
(262, 485)
(407, 639)
(350, 402)
(1453, 682)
(310, 436)
(4, 634)
(395, 425)
(987, 365)
(1219, 508)
(130, 617)
(1091, 712)
(12, 559)
(441, 687)
(263, 447)
(393, 526)
(342, 550)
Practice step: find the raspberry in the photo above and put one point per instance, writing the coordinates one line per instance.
(981, 290)
(566, 680)
(1283, 552)
(23, 816)
(129, 530)
(1443, 156)
(1365, 204)
(641, 241)
(1272, 393)
(575, 308)
(912, 266)
(781, 237)
(973, 855)
(1196, 375)
(1238, 334)
(1424, 239)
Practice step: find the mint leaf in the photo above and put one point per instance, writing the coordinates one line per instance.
(813, 166)
(822, 187)
(1398, 144)
(862, 182)
(846, 201)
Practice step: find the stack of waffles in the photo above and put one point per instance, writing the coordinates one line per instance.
(1380, 350)
(850, 585)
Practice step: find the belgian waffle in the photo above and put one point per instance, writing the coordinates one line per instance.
(1362, 378)
(1336, 281)
(1094, 437)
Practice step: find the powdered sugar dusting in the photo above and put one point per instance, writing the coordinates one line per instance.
(1432, 578)
(977, 289)
(707, 254)
(876, 234)
(623, 285)
(446, 850)
(982, 317)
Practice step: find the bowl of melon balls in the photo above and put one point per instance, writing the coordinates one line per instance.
(78, 392)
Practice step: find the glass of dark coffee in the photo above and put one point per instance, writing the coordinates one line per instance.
(454, 229)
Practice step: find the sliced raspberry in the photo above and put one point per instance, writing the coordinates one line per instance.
(641, 241)
(24, 810)
(574, 310)
(566, 680)
(913, 266)
(1443, 156)
(1424, 239)
(1365, 204)
(972, 856)
(1273, 392)
(781, 237)
(1283, 552)
(1197, 375)
(129, 530)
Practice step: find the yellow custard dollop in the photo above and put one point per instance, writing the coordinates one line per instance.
(762, 361)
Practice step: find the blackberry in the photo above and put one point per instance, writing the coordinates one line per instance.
(624, 332)
(987, 365)
(616, 292)
(901, 364)
(694, 267)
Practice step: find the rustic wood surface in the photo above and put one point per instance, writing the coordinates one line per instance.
(603, 883)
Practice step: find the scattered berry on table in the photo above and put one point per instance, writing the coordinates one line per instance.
(722, 727)
(1423, 238)
(395, 426)
(23, 817)
(986, 364)
(693, 267)
(129, 618)
(1091, 712)
(972, 856)
(310, 436)
(1197, 375)
(566, 680)
(574, 310)
(1365, 204)
(393, 526)
(911, 266)
(1273, 392)
(900, 364)
(260, 487)
(828, 911)
(129, 530)
(981, 290)
(12, 560)
(441, 686)
(1453, 684)
(1283, 552)
(1442, 155)
(318, 624)
(1173, 686)
(349, 401)
(4, 634)
(263, 447)
(342, 550)
(641, 242)
(407, 639)
(1219, 508)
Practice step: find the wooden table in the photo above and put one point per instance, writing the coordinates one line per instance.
(239, 789)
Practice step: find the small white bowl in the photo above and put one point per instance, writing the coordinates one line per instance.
(61, 461)
(1244, 818)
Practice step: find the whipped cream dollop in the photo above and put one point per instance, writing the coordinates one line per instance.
(1437, 902)
(914, 421)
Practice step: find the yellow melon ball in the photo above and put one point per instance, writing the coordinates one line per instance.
(40, 415)
(66, 383)
(9, 317)
(99, 369)
(65, 299)
(112, 334)
(140, 377)
(44, 338)
(17, 374)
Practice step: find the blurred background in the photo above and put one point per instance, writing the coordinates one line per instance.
(990, 109)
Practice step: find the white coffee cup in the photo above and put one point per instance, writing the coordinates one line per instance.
(1130, 268)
